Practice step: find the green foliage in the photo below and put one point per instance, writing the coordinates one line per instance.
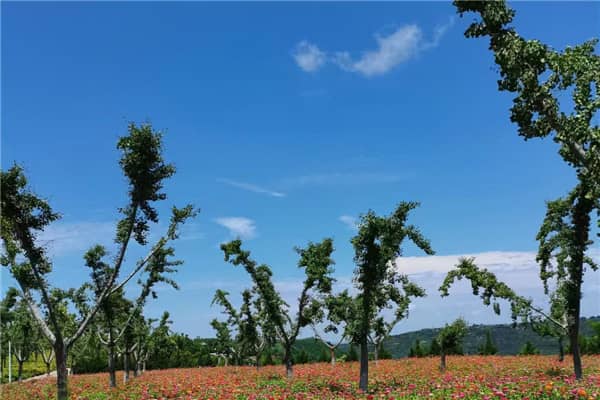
(352, 354)
(489, 347)
(316, 262)
(528, 349)
(542, 78)
(451, 337)
(380, 284)
(416, 350)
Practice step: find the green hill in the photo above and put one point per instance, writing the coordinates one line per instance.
(508, 340)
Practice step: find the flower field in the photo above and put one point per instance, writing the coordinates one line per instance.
(469, 377)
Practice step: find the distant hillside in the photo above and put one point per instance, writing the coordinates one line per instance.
(509, 340)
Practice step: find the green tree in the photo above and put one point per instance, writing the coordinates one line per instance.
(380, 285)
(316, 261)
(450, 340)
(485, 284)
(488, 348)
(528, 349)
(352, 354)
(541, 78)
(434, 348)
(24, 214)
(339, 312)
(416, 350)
(20, 334)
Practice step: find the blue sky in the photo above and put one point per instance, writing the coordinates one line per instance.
(285, 121)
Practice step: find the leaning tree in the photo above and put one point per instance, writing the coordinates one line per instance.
(316, 261)
(24, 215)
(557, 94)
(380, 284)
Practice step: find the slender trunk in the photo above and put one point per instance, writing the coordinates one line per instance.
(47, 368)
(363, 382)
(125, 367)
(287, 359)
(112, 376)
(62, 377)
(144, 366)
(561, 350)
(376, 353)
(581, 224)
(443, 361)
(332, 355)
(258, 353)
(20, 370)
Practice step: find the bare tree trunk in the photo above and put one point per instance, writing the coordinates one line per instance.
(581, 224)
(332, 355)
(112, 375)
(62, 377)
(363, 382)
(125, 367)
(144, 366)
(561, 350)
(376, 353)
(20, 361)
(442, 361)
(287, 359)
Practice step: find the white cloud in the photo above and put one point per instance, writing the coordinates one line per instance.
(349, 221)
(308, 56)
(63, 238)
(251, 187)
(238, 226)
(392, 50)
(400, 46)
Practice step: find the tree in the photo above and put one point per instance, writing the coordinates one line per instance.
(316, 261)
(541, 79)
(21, 334)
(528, 349)
(416, 350)
(224, 345)
(488, 348)
(485, 284)
(434, 348)
(254, 331)
(116, 312)
(6, 317)
(340, 313)
(380, 285)
(450, 340)
(24, 215)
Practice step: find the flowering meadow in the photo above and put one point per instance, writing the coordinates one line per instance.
(468, 377)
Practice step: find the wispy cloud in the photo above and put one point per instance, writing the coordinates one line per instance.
(251, 187)
(338, 178)
(64, 238)
(400, 46)
(350, 221)
(243, 227)
(308, 56)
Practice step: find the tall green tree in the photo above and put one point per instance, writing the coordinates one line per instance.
(450, 340)
(380, 284)
(556, 95)
(24, 215)
(488, 347)
(316, 262)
